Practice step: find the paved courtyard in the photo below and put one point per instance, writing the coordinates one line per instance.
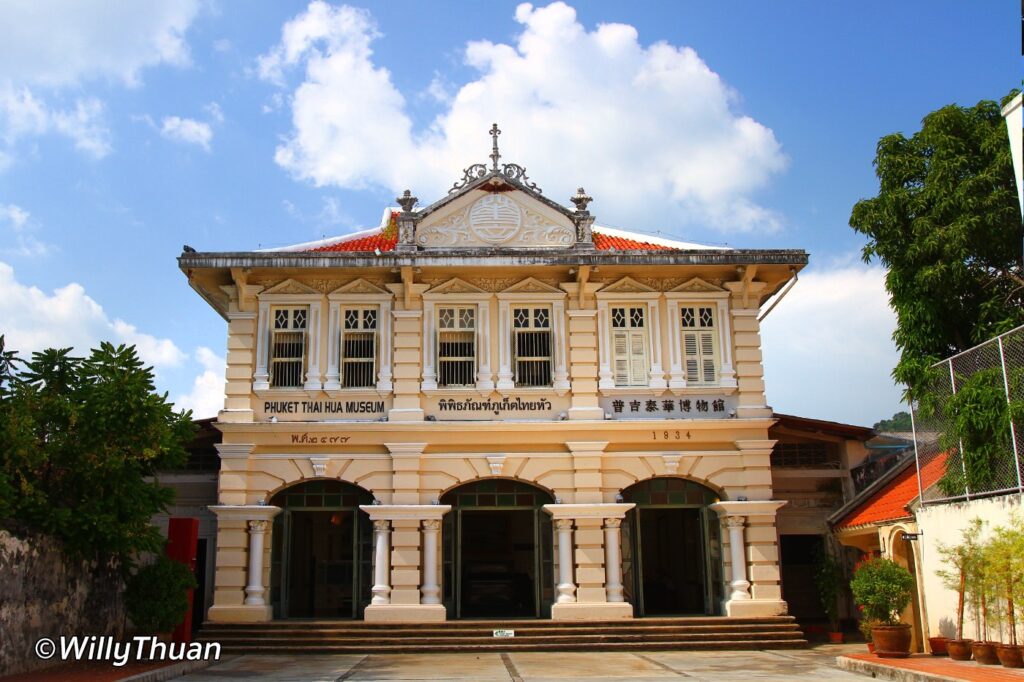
(726, 666)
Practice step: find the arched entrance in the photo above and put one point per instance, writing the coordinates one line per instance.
(497, 551)
(320, 559)
(671, 549)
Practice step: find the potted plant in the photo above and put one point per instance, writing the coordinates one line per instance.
(156, 596)
(1007, 569)
(884, 589)
(865, 626)
(827, 574)
(957, 559)
(980, 587)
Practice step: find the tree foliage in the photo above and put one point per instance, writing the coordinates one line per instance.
(883, 588)
(946, 224)
(899, 422)
(157, 595)
(78, 439)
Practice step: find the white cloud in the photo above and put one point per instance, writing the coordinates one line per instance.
(828, 349)
(51, 47)
(16, 231)
(651, 131)
(207, 395)
(214, 111)
(33, 320)
(187, 130)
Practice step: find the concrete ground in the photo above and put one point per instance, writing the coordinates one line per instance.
(725, 666)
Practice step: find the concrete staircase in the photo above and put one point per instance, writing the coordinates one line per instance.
(642, 634)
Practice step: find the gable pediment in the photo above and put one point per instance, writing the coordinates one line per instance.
(455, 286)
(291, 287)
(697, 286)
(489, 219)
(627, 285)
(361, 287)
(531, 285)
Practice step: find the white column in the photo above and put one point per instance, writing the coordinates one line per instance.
(657, 374)
(430, 591)
(566, 587)
(604, 335)
(504, 348)
(675, 374)
(254, 588)
(429, 355)
(484, 377)
(261, 379)
(561, 377)
(332, 382)
(612, 561)
(313, 378)
(381, 562)
(737, 553)
(386, 340)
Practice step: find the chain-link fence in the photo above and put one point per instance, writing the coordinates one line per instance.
(969, 423)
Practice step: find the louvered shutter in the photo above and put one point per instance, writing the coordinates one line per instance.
(691, 356)
(707, 357)
(637, 358)
(620, 351)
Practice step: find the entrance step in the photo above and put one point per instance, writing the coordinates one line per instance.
(647, 634)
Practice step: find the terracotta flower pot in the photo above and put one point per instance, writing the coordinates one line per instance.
(985, 653)
(938, 645)
(891, 641)
(835, 637)
(959, 649)
(1010, 656)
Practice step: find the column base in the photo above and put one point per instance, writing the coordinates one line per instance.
(594, 611)
(746, 608)
(405, 613)
(240, 614)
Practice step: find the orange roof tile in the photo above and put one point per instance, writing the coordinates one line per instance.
(605, 242)
(889, 502)
(367, 243)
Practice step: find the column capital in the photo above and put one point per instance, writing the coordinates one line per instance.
(587, 447)
(405, 449)
(234, 450)
(396, 512)
(588, 511)
(612, 523)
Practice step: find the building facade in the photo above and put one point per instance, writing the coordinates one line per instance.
(491, 407)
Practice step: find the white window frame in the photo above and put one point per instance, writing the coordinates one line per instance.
(361, 312)
(531, 327)
(264, 332)
(457, 309)
(437, 299)
(341, 300)
(273, 362)
(719, 302)
(613, 299)
(506, 375)
(635, 353)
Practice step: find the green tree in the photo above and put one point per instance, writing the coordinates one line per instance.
(947, 226)
(899, 422)
(79, 437)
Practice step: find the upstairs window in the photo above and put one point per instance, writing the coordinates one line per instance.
(456, 346)
(629, 346)
(288, 347)
(700, 350)
(359, 348)
(532, 346)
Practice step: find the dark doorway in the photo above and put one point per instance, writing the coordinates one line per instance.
(671, 549)
(797, 554)
(497, 551)
(672, 561)
(320, 557)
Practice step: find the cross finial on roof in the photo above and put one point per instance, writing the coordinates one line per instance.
(494, 146)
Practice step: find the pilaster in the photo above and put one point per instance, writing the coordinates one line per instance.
(747, 338)
(752, 569)
(243, 553)
(583, 364)
(408, 342)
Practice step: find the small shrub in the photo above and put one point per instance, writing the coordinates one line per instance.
(883, 588)
(156, 595)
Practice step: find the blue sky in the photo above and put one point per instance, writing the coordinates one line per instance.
(127, 131)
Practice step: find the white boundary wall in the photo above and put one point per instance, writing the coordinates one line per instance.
(942, 524)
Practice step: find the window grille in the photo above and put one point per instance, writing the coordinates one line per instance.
(288, 347)
(531, 345)
(359, 348)
(700, 352)
(456, 346)
(629, 346)
(805, 456)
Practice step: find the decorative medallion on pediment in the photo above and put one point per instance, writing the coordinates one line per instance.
(496, 220)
